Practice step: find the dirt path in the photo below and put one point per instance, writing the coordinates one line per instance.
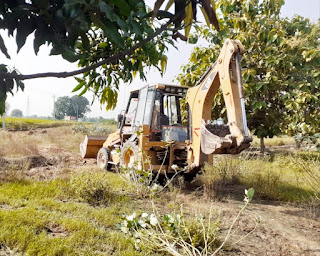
(284, 229)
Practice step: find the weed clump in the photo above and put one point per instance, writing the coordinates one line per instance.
(172, 233)
(179, 236)
(93, 189)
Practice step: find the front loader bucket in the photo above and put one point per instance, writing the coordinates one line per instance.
(223, 139)
(90, 146)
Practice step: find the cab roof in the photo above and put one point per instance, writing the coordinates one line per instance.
(168, 88)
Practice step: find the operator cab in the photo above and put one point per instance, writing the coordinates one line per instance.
(159, 107)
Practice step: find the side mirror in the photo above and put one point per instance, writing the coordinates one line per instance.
(120, 118)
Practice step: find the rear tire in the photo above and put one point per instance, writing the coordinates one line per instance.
(103, 158)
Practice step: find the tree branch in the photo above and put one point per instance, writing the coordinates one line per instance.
(108, 60)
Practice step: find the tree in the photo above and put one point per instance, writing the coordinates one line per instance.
(7, 107)
(281, 65)
(111, 40)
(74, 106)
(16, 113)
(79, 106)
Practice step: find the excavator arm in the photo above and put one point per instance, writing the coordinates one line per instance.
(235, 137)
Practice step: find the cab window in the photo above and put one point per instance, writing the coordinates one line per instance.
(131, 111)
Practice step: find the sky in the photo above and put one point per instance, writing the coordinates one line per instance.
(39, 95)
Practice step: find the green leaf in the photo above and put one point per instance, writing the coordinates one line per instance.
(3, 48)
(3, 68)
(84, 90)
(123, 6)
(79, 86)
(113, 34)
(188, 19)
(137, 29)
(273, 37)
(9, 83)
(169, 4)
(163, 64)
(43, 4)
(250, 193)
(108, 10)
(24, 28)
(20, 85)
(103, 45)
(85, 41)
(259, 86)
(39, 39)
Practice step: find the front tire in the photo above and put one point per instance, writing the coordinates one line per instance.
(129, 154)
(103, 158)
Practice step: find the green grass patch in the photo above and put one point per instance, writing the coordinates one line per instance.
(22, 123)
(52, 218)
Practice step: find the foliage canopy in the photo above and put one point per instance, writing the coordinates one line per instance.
(16, 113)
(74, 106)
(280, 67)
(112, 40)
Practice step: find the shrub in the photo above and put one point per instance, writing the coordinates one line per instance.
(172, 232)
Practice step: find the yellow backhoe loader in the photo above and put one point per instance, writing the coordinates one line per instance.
(152, 127)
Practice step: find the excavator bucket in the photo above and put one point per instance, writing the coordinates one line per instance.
(90, 146)
(223, 139)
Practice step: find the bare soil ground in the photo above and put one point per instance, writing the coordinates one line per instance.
(285, 229)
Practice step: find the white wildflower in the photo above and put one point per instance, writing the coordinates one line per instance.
(144, 215)
(142, 223)
(124, 229)
(171, 219)
(131, 217)
(153, 220)
(174, 167)
(155, 187)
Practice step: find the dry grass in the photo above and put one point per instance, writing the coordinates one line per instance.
(33, 141)
(275, 141)
(281, 177)
(18, 144)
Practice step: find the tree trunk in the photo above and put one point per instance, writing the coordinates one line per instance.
(262, 146)
(3, 122)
